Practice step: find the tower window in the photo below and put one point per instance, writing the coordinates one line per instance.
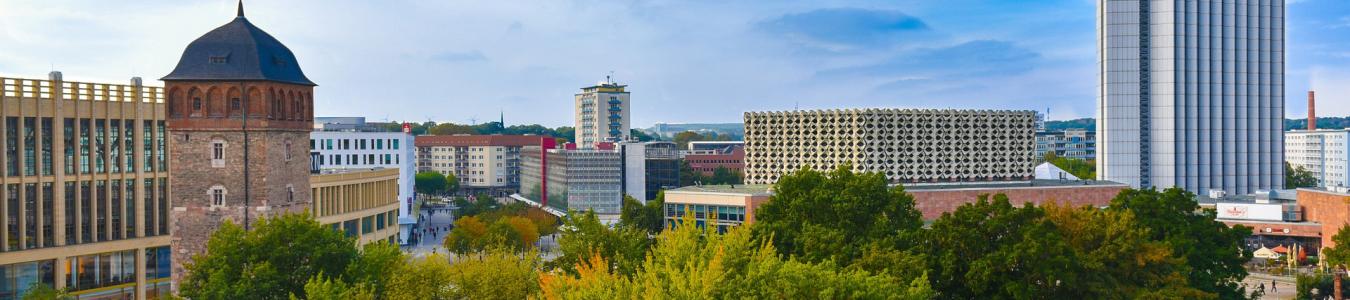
(197, 103)
(218, 154)
(235, 104)
(290, 194)
(217, 194)
(288, 150)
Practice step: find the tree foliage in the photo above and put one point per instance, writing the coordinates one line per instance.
(585, 238)
(1212, 251)
(817, 217)
(693, 263)
(1298, 177)
(1083, 169)
(431, 183)
(273, 260)
(649, 216)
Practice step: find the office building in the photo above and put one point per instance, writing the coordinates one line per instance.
(723, 206)
(482, 163)
(1323, 152)
(907, 145)
(602, 114)
(239, 113)
(649, 168)
(83, 186)
(573, 179)
(1073, 143)
(1191, 94)
(706, 162)
(346, 150)
(363, 203)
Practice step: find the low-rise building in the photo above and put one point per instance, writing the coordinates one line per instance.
(362, 203)
(1073, 143)
(1324, 152)
(353, 150)
(482, 163)
(706, 162)
(726, 205)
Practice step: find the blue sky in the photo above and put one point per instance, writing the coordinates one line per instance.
(684, 60)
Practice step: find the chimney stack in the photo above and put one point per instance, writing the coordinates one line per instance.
(1312, 112)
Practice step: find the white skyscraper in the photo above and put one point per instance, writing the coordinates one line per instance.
(1191, 93)
(601, 114)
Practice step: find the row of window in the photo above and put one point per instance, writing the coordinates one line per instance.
(91, 146)
(359, 159)
(109, 275)
(353, 144)
(367, 224)
(95, 211)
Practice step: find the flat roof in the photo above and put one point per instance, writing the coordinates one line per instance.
(752, 189)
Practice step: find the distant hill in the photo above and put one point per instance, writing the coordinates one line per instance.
(1289, 124)
(668, 130)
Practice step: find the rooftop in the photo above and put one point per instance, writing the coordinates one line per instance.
(238, 50)
(753, 189)
(1038, 183)
(478, 140)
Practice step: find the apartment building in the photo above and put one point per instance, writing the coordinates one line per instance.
(84, 187)
(347, 150)
(602, 114)
(1323, 152)
(1073, 143)
(482, 163)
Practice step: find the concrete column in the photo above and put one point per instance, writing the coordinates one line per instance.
(138, 161)
(58, 160)
(140, 273)
(62, 269)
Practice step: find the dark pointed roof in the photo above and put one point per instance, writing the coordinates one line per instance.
(238, 51)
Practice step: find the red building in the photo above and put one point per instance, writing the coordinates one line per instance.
(707, 161)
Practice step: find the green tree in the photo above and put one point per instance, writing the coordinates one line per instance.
(690, 262)
(690, 177)
(723, 175)
(1339, 255)
(451, 184)
(1213, 252)
(584, 238)
(682, 139)
(466, 236)
(495, 274)
(42, 291)
(649, 216)
(1298, 177)
(429, 183)
(847, 212)
(422, 278)
(451, 129)
(373, 268)
(328, 288)
(275, 259)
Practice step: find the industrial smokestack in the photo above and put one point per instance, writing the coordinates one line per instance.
(1312, 111)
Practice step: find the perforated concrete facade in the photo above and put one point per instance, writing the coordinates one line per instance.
(908, 145)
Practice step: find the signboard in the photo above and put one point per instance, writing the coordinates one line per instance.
(1250, 211)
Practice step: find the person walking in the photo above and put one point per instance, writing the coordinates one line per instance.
(1273, 289)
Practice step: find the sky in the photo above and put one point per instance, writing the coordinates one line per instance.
(684, 61)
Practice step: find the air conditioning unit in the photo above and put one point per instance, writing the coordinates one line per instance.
(1217, 194)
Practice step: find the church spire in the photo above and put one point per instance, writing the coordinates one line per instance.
(241, 9)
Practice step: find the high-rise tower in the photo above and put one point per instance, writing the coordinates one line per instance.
(601, 114)
(1191, 94)
(239, 116)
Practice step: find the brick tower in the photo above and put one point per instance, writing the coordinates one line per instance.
(239, 116)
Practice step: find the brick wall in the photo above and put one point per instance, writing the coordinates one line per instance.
(1329, 209)
(933, 203)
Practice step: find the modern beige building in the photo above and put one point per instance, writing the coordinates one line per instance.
(482, 163)
(84, 184)
(362, 203)
(602, 114)
(908, 145)
(723, 206)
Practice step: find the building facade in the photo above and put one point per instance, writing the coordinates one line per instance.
(649, 168)
(717, 205)
(1325, 153)
(1191, 94)
(364, 204)
(707, 162)
(84, 181)
(1073, 143)
(482, 163)
(577, 180)
(239, 111)
(907, 145)
(334, 150)
(602, 114)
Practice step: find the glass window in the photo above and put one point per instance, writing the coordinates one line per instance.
(367, 225)
(100, 139)
(115, 152)
(159, 146)
(115, 189)
(29, 147)
(16, 279)
(48, 216)
(70, 212)
(129, 149)
(12, 213)
(47, 146)
(68, 136)
(86, 212)
(30, 215)
(12, 146)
